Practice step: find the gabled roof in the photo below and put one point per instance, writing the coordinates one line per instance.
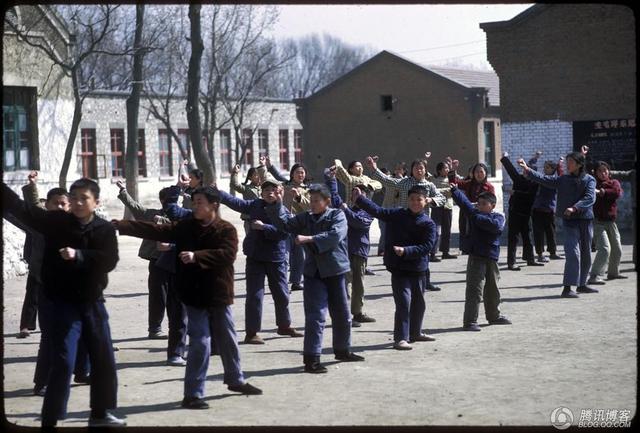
(521, 17)
(460, 77)
(470, 78)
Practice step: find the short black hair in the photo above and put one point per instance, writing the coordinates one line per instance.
(418, 189)
(364, 188)
(169, 194)
(318, 188)
(56, 191)
(196, 172)
(86, 183)
(209, 192)
(488, 196)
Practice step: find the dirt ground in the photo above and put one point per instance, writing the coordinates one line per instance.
(574, 353)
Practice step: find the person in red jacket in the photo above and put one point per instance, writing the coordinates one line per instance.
(472, 188)
(605, 230)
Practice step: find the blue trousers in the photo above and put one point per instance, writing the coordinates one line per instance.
(201, 322)
(73, 322)
(577, 249)
(408, 295)
(296, 261)
(45, 349)
(276, 274)
(319, 295)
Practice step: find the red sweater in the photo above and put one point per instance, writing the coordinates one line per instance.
(605, 208)
(471, 188)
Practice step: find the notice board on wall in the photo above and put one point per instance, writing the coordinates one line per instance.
(612, 141)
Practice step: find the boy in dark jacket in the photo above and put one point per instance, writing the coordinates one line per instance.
(543, 214)
(410, 235)
(206, 247)
(80, 250)
(266, 250)
(359, 223)
(520, 202)
(483, 245)
(161, 284)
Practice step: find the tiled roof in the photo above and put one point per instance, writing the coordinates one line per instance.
(471, 78)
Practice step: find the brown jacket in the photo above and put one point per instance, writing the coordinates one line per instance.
(209, 281)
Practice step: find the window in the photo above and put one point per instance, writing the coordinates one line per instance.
(142, 160)
(19, 128)
(263, 142)
(225, 151)
(283, 148)
(297, 145)
(117, 152)
(247, 143)
(88, 153)
(164, 152)
(387, 102)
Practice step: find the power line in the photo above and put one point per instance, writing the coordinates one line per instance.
(456, 57)
(443, 46)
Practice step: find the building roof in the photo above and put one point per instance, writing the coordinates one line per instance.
(522, 16)
(471, 78)
(461, 77)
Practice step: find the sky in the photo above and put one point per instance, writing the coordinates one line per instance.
(427, 34)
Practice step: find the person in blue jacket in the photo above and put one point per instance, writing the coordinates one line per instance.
(483, 245)
(358, 244)
(410, 235)
(576, 197)
(323, 233)
(266, 249)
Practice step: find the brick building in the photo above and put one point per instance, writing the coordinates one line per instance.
(397, 109)
(568, 77)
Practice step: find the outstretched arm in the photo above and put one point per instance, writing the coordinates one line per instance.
(146, 230)
(237, 204)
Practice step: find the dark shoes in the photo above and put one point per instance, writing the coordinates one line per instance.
(513, 268)
(534, 263)
(448, 256)
(82, 379)
(421, 337)
(368, 271)
(363, 318)
(355, 324)
(290, 332)
(245, 388)
(296, 286)
(568, 293)
(253, 339)
(555, 257)
(617, 277)
(159, 335)
(586, 289)
(194, 403)
(40, 390)
(348, 357)
(594, 279)
(434, 259)
(471, 327)
(109, 420)
(432, 288)
(315, 368)
(502, 320)
(24, 333)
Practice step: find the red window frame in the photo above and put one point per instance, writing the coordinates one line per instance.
(297, 145)
(283, 148)
(247, 140)
(88, 153)
(142, 160)
(117, 152)
(225, 151)
(164, 153)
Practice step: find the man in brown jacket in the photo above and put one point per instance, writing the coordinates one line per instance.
(206, 246)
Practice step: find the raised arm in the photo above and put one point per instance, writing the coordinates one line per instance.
(330, 181)
(283, 220)
(277, 174)
(147, 230)
(508, 166)
(373, 209)
(544, 180)
(461, 200)
(137, 210)
(234, 184)
(175, 212)
(30, 191)
(237, 204)
(31, 216)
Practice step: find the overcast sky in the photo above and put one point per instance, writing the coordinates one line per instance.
(427, 34)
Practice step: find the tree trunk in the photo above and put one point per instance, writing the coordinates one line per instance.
(193, 89)
(75, 124)
(133, 108)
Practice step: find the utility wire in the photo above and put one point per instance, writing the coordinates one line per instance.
(443, 46)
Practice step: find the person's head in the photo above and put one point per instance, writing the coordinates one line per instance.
(169, 194)
(550, 167)
(57, 199)
(479, 172)
(205, 203)
(400, 170)
(298, 174)
(601, 170)
(417, 198)
(575, 163)
(253, 177)
(442, 169)
(355, 168)
(419, 169)
(385, 170)
(320, 198)
(195, 178)
(486, 202)
(268, 190)
(365, 189)
(85, 198)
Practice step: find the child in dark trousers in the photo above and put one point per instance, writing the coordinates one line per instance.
(80, 250)
(543, 215)
(483, 245)
(265, 247)
(409, 238)
(206, 247)
(359, 223)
